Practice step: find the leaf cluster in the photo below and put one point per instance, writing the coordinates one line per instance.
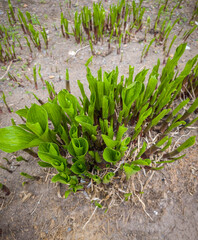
(89, 139)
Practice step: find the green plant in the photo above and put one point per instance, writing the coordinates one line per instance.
(171, 44)
(148, 27)
(11, 11)
(187, 34)
(35, 77)
(94, 135)
(45, 38)
(28, 44)
(67, 84)
(146, 49)
(5, 102)
(158, 18)
(195, 12)
(64, 26)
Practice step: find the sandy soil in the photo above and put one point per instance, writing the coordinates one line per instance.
(168, 208)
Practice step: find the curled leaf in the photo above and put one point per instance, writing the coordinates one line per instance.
(111, 155)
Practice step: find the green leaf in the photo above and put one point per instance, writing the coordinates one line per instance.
(69, 103)
(143, 162)
(98, 204)
(188, 143)
(78, 167)
(87, 124)
(54, 113)
(156, 120)
(109, 142)
(78, 147)
(150, 88)
(131, 93)
(105, 107)
(49, 152)
(180, 106)
(142, 118)
(167, 145)
(44, 164)
(162, 141)
(111, 155)
(67, 193)
(127, 195)
(15, 138)
(130, 170)
(96, 179)
(107, 178)
(174, 125)
(27, 175)
(121, 131)
(142, 150)
(73, 132)
(88, 61)
(37, 120)
(62, 179)
(22, 112)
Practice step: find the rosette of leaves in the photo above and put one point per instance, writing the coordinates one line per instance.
(49, 153)
(78, 147)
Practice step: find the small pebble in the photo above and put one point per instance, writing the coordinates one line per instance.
(155, 212)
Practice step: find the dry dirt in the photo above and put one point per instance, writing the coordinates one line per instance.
(36, 210)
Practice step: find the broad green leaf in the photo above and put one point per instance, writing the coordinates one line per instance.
(78, 147)
(131, 93)
(15, 138)
(37, 121)
(76, 188)
(54, 112)
(59, 178)
(111, 155)
(49, 152)
(87, 124)
(109, 142)
(69, 103)
(22, 112)
(78, 167)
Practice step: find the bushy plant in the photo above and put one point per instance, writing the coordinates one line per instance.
(107, 134)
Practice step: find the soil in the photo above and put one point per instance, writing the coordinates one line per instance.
(168, 208)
